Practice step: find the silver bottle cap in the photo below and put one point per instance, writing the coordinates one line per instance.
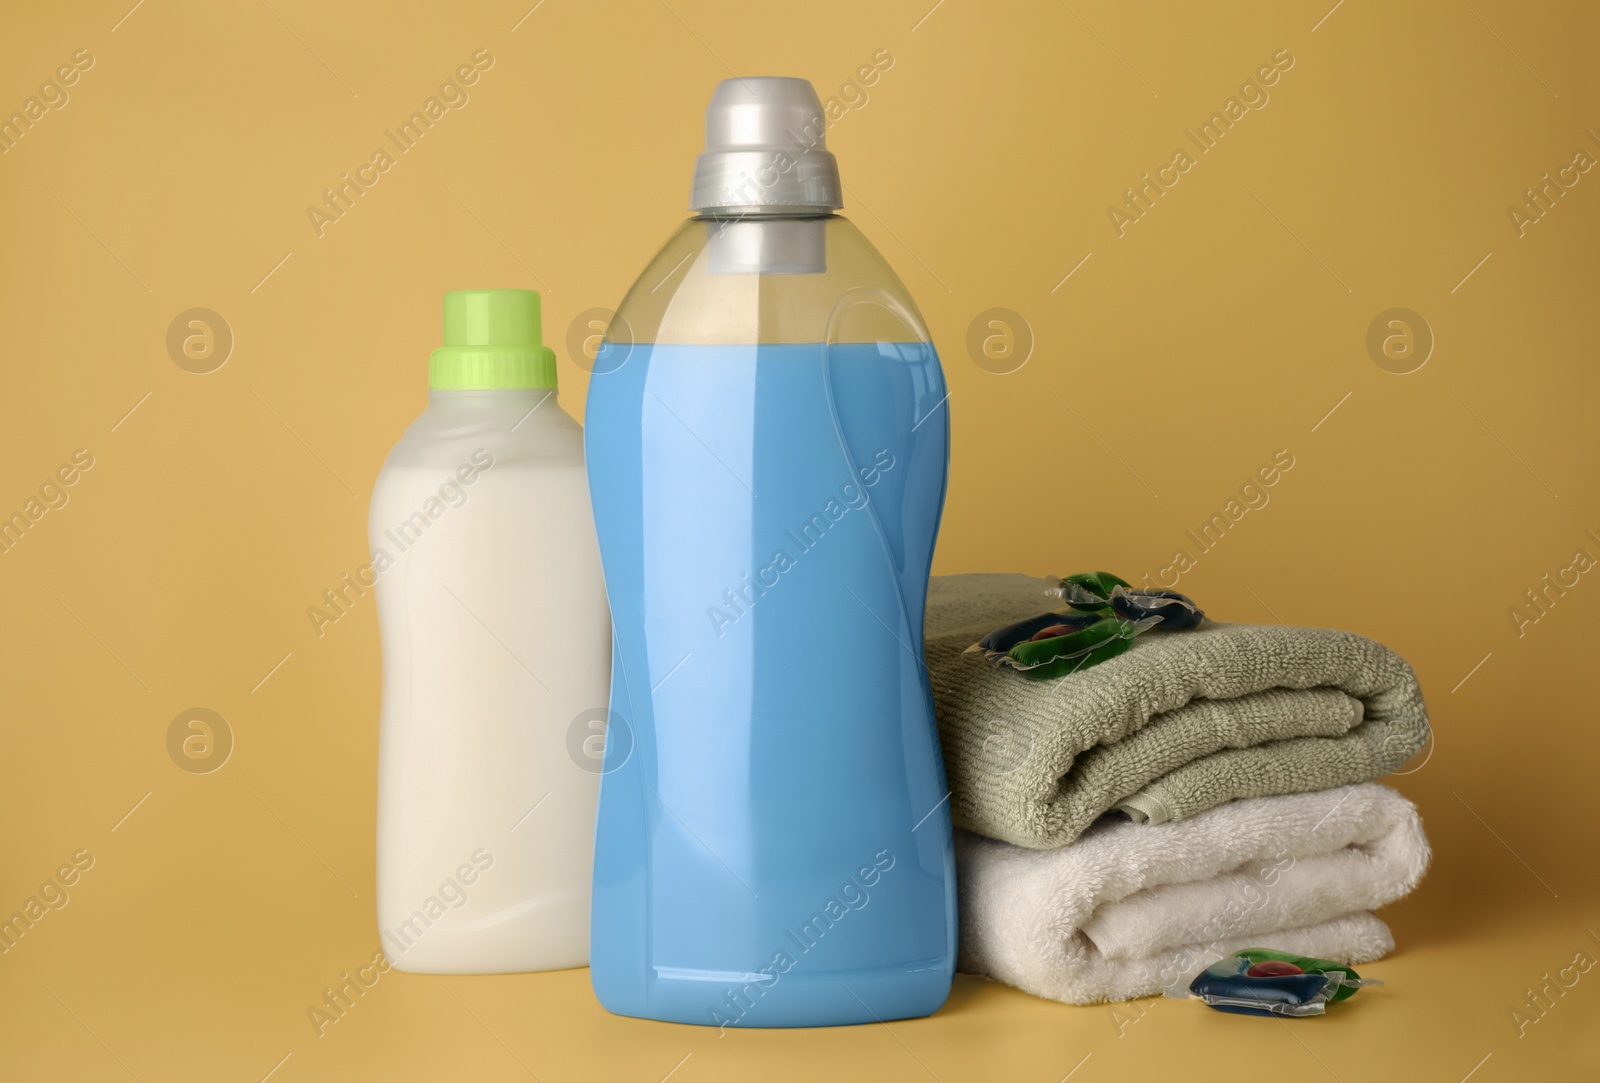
(766, 151)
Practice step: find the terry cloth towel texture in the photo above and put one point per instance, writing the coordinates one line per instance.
(1130, 910)
(1180, 723)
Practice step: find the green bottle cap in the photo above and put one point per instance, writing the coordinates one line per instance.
(492, 342)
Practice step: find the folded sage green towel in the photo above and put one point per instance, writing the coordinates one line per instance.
(1182, 722)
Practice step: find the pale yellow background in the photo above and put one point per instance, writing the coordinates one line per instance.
(1224, 326)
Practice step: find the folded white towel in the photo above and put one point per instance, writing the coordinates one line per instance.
(1131, 909)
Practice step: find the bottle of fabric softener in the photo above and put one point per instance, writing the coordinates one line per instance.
(496, 652)
(768, 441)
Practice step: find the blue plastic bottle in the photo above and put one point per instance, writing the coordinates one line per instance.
(768, 442)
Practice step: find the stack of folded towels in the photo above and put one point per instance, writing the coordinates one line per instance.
(1205, 790)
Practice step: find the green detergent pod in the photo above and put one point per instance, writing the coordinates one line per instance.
(1103, 615)
(1260, 981)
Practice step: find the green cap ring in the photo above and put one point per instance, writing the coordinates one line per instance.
(492, 342)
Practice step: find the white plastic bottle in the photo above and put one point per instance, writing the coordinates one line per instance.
(496, 659)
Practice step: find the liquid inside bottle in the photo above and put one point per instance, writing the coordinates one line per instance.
(768, 439)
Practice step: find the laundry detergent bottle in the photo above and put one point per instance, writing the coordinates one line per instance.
(768, 442)
(496, 658)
